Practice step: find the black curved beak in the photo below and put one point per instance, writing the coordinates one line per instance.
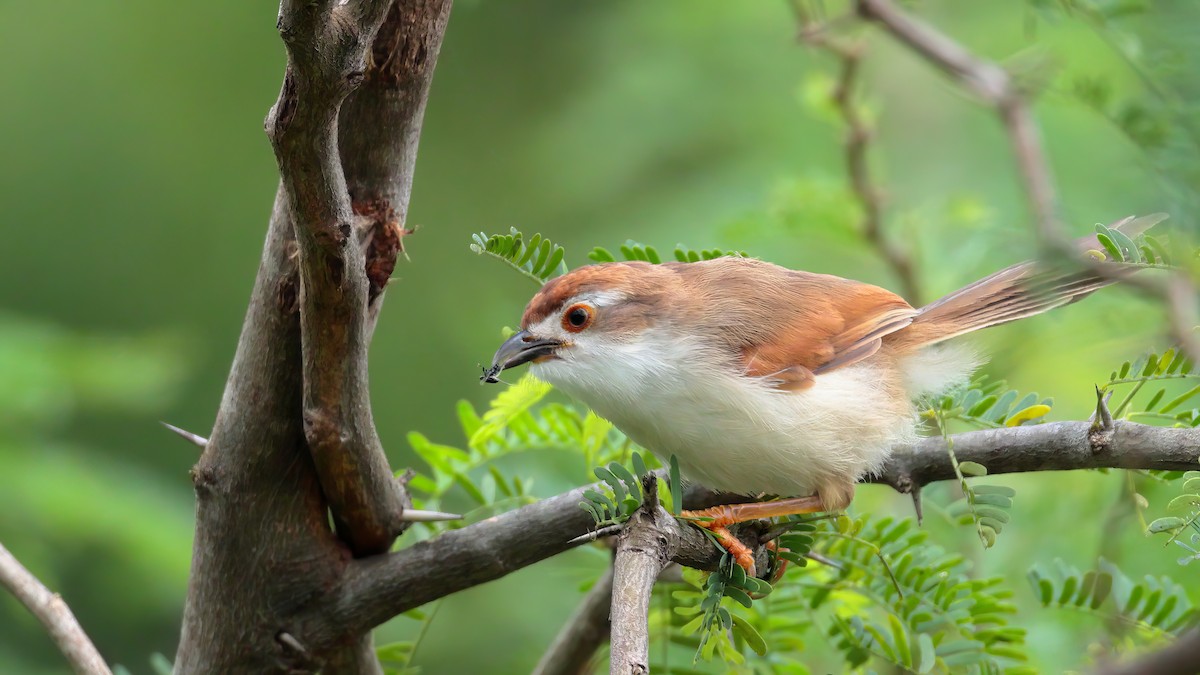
(522, 347)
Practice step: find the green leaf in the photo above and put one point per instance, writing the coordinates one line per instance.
(926, 655)
(1168, 524)
(754, 640)
(471, 489)
(612, 481)
(635, 486)
(601, 255)
(739, 596)
(1114, 252)
(972, 469)
(639, 465)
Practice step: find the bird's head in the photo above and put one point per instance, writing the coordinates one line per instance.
(587, 319)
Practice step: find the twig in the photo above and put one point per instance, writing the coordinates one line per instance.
(54, 614)
(644, 549)
(993, 85)
(857, 148)
(583, 633)
(1181, 657)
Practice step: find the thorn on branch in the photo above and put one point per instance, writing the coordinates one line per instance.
(421, 516)
(1101, 432)
(607, 531)
(288, 640)
(195, 439)
(916, 500)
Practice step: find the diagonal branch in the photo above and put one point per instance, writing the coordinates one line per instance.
(993, 85)
(373, 590)
(54, 614)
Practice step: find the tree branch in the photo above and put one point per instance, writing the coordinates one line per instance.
(584, 632)
(644, 548)
(54, 614)
(293, 439)
(1059, 446)
(375, 589)
(327, 46)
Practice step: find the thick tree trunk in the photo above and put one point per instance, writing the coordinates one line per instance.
(264, 553)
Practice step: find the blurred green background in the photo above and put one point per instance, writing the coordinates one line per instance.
(136, 182)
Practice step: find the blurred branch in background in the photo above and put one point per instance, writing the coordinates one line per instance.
(994, 86)
(584, 633)
(54, 614)
(849, 53)
(1181, 657)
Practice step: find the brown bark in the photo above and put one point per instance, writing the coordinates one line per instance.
(293, 440)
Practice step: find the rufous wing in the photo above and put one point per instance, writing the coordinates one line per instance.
(792, 326)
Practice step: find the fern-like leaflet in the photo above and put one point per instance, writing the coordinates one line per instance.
(537, 259)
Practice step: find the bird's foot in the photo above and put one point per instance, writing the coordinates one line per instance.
(717, 520)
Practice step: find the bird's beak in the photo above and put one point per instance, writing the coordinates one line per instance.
(522, 347)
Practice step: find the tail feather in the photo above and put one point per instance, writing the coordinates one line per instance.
(1023, 290)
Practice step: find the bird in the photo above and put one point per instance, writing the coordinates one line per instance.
(763, 380)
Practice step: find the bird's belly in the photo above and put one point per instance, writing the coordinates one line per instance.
(742, 435)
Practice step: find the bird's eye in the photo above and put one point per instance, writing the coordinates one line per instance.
(577, 317)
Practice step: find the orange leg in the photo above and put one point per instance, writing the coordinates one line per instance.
(717, 520)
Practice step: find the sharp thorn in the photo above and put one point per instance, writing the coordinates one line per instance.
(195, 439)
(595, 534)
(916, 500)
(290, 641)
(1102, 420)
(420, 516)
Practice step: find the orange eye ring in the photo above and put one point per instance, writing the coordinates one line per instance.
(578, 317)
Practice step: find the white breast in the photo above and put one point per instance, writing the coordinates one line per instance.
(735, 433)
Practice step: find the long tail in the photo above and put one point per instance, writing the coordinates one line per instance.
(1016, 292)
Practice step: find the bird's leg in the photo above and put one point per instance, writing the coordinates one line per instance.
(717, 520)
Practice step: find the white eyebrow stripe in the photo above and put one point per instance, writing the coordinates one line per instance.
(602, 298)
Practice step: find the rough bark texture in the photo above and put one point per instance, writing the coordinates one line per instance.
(293, 439)
(644, 549)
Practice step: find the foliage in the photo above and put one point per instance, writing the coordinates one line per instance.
(1165, 368)
(538, 258)
(983, 403)
(879, 591)
(1156, 605)
(633, 251)
(1187, 522)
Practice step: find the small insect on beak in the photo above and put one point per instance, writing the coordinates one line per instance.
(522, 347)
